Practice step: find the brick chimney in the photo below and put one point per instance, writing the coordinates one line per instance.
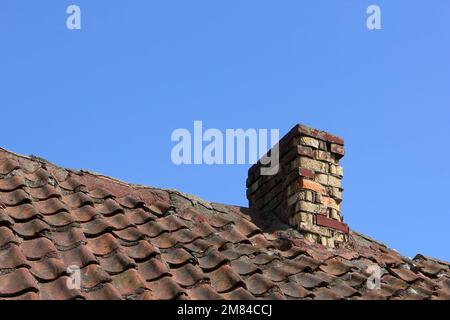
(306, 191)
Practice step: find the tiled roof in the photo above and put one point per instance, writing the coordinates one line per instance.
(135, 242)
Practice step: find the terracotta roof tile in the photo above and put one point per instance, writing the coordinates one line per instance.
(50, 206)
(343, 290)
(294, 290)
(177, 257)
(31, 229)
(105, 291)
(133, 242)
(116, 262)
(212, 260)
(273, 296)
(153, 269)
(44, 193)
(130, 234)
(103, 245)
(244, 267)
(204, 292)
(189, 275)
(142, 250)
(225, 279)
(79, 256)
(238, 294)
(85, 214)
(6, 236)
(264, 259)
(247, 228)
(404, 274)
(47, 269)
(139, 216)
(130, 202)
(11, 257)
(92, 276)
(257, 284)
(335, 267)
(396, 283)
(8, 165)
(59, 220)
(38, 248)
(276, 272)
(442, 294)
(309, 281)
(109, 207)
(166, 288)
(11, 184)
(14, 198)
(129, 283)
(17, 282)
(25, 296)
(58, 290)
(200, 246)
(431, 268)
(5, 220)
(327, 294)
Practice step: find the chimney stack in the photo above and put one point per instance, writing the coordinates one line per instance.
(306, 192)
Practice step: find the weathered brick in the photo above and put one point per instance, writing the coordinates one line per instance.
(331, 203)
(304, 130)
(307, 217)
(336, 170)
(311, 185)
(314, 228)
(334, 215)
(334, 139)
(309, 142)
(330, 223)
(334, 192)
(304, 172)
(317, 166)
(334, 182)
(306, 152)
(306, 195)
(322, 178)
(333, 169)
(337, 149)
(325, 156)
(308, 207)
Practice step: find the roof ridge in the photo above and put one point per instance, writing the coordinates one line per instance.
(191, 197)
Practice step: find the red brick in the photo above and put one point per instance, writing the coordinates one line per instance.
(307, 131)
(303, 172)
(335, 139)
(338, 149)
(330, 223)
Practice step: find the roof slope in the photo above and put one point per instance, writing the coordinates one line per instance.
(135, 242)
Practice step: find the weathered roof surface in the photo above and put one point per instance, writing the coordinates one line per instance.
(135, 242)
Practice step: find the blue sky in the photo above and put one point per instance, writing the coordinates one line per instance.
(107, 97)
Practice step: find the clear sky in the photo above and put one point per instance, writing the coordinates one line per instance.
(107, 97)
